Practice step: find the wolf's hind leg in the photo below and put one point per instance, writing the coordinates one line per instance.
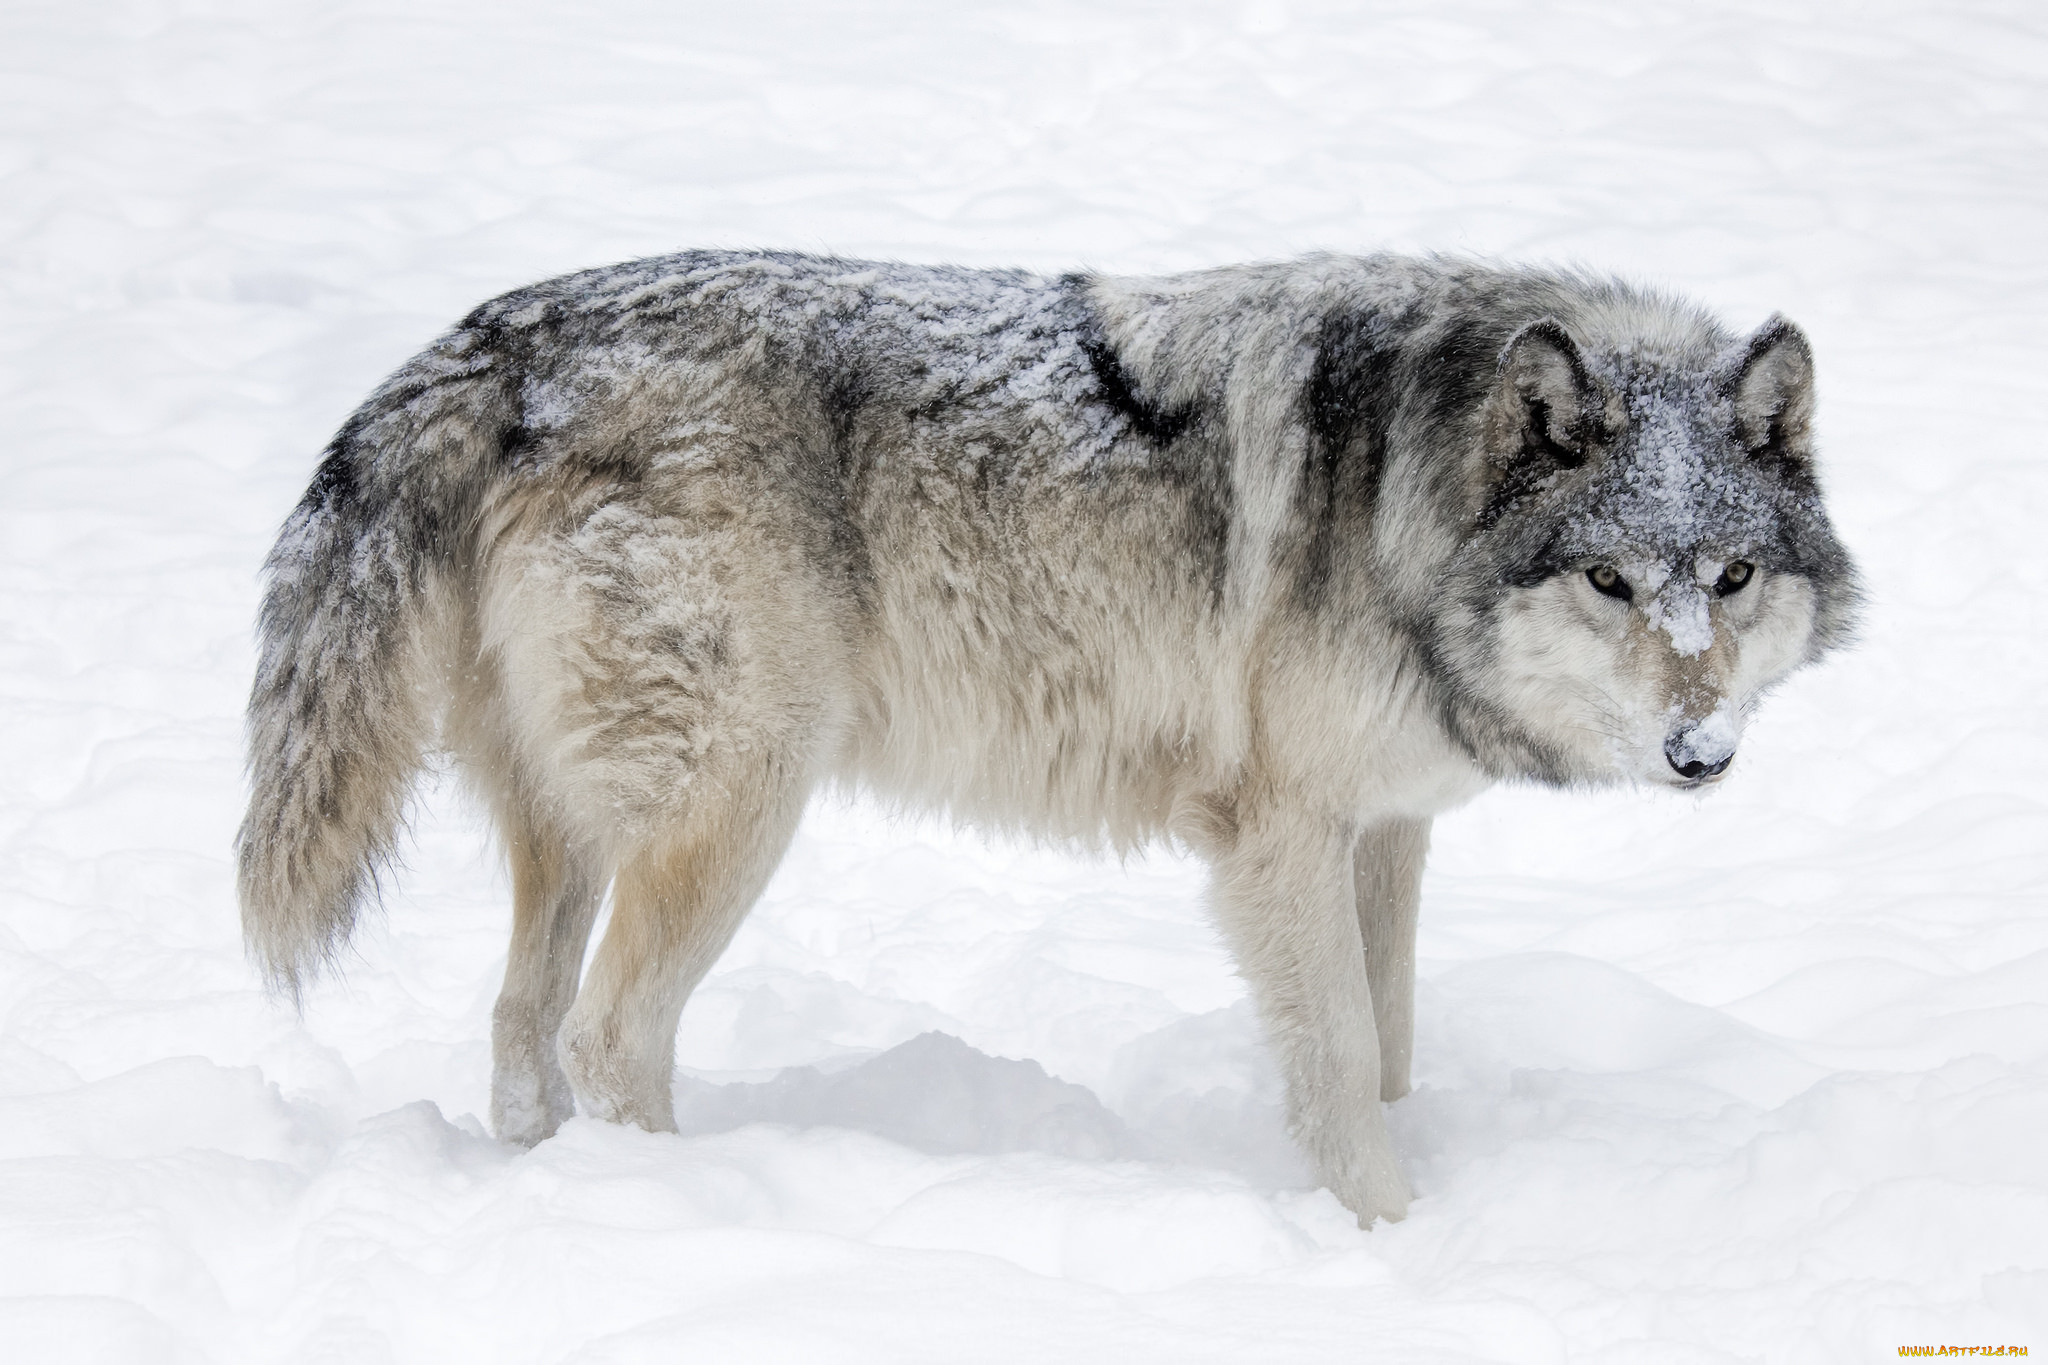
(1387, 873)
(555, 895)
(1285, 902)
(675, 905)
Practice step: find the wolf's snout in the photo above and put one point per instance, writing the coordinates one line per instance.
(1699, 753)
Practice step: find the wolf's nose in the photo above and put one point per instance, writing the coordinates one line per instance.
(1678, 750)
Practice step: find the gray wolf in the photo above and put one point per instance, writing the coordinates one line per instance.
(1274, 562)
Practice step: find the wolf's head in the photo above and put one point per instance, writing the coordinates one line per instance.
(1645, 551)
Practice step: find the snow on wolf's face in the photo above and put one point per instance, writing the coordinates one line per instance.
(1658, 554)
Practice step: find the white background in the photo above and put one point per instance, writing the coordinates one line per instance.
(1760, 1076)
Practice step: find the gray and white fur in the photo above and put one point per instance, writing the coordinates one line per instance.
(1276, 562)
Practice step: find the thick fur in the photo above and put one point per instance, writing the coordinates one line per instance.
(1276, 562)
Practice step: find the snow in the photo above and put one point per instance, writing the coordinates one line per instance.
(1758, 1075)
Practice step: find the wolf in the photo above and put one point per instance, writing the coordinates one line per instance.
(1273, 562)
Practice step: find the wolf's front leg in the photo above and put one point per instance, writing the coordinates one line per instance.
(1284, 899)
(1387, 870)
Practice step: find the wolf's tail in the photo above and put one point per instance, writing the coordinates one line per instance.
(358, 620)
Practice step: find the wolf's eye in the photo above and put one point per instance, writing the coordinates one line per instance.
(1606, 580)
(1734, 578)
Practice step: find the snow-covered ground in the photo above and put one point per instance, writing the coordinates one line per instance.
(1762, 1076)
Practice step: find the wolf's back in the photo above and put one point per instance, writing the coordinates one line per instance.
(356, 624)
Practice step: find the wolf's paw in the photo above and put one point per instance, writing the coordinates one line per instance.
(527, 1108)
(611, 1084)
(1391, 1205)
(1373, 1190)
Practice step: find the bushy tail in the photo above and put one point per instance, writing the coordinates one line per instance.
(356, 627)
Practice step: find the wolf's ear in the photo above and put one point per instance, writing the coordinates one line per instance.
(1771, 380)
(1544, 415)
